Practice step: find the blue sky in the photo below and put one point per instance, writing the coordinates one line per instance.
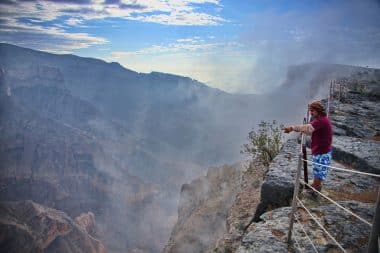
(237, 46)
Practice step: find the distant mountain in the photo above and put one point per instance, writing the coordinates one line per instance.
(64, 167)
(83, 135)
(79, 134)
(167, 113)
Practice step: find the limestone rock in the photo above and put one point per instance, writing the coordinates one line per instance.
(362, 154)
(270, 235)
(87, 222)
(277, 188)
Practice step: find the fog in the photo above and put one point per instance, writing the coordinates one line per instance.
(132, 140)
(342, 32)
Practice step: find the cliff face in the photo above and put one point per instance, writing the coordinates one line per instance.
(80, 135)
(355, 146)
(202, 210)
(54, 152)
(29, 227)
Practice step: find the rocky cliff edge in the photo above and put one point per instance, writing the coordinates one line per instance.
(256, 219)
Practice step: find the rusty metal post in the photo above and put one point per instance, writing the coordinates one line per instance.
(304, 156)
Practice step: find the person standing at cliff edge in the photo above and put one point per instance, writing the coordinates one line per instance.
(321, 138)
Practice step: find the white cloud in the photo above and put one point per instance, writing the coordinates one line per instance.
(344, 32)
(181, 18)
(51, 39)
(74, 21)
(23, 18)
(172, 12)
(194, 44)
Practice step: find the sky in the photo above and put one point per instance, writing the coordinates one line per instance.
(239, 46)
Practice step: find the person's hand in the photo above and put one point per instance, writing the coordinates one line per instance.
(287, 129)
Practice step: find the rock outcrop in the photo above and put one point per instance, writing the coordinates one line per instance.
(28, 227)
(87, 222)
(270, 234)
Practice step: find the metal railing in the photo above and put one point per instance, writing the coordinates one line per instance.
(297, 203)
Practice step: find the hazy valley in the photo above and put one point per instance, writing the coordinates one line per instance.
(81, 135)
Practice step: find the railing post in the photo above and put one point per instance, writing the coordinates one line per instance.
(304, 156)
(373, 243)
(295, 194)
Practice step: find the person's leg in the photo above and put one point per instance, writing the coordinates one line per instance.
(317, 184)
(320, 169)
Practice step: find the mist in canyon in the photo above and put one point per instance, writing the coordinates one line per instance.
(83, 135)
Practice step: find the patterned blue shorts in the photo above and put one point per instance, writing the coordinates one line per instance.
(320, 170)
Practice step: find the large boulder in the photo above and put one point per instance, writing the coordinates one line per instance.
(361, 154)
(278, 185)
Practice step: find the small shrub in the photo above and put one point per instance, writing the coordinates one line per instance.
(265, 143)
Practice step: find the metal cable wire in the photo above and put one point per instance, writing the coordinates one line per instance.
(337, 204)
(321, 194)
(341, 169)
(304, 231)
(321, 226)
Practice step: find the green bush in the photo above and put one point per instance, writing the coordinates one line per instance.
(265, 143)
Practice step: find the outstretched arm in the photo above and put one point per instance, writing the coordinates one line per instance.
(307, 129)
